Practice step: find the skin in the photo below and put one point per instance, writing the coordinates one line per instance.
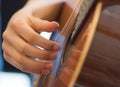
(21, 38)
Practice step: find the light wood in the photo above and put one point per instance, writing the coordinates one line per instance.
(89, 38)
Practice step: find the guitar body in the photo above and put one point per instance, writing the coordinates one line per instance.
(79, 66)
(101, 68)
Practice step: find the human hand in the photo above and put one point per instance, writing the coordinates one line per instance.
(21, 38)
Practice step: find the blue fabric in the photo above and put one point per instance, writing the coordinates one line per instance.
(1, 59)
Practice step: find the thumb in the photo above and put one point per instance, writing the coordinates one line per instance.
(43, 25)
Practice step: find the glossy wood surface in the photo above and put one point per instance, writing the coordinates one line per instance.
(102, 66)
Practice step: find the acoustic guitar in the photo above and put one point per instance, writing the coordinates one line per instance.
(88, 57)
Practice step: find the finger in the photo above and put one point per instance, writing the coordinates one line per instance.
(15, 64)
(28, 34)
(66, 75)
(73, 58)
(28, 49)
(24, 63)
(10, 60)
(43, 25)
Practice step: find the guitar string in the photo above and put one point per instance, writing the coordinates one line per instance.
(86, 6)
(67, 29)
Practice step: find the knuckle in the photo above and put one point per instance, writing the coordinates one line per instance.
(23, 48)
(3, 45)
(14, 22)
(4, 35)
(5, 57)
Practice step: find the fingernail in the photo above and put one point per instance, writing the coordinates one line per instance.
(49, 66)
(56, 47)
(56, 23)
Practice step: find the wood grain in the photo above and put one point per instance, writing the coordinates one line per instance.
(102, 67)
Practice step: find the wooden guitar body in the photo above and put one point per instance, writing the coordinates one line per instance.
(101, 68)
(79, 66)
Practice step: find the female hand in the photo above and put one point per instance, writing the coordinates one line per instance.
(20, 41)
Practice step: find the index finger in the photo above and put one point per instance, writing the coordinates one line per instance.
(32, 37)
